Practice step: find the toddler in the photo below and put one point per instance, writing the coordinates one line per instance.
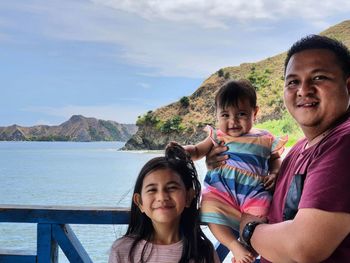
(241, 185)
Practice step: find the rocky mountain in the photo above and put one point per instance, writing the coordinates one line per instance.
(183, 121)
(77, 128)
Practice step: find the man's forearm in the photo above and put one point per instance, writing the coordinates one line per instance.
(271, 241)
(312, 236)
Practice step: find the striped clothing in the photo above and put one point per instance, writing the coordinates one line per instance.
(236, 187)
(154, 253)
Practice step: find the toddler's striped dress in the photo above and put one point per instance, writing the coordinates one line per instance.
(236, 187)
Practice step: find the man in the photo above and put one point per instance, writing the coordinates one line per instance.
(309, 218)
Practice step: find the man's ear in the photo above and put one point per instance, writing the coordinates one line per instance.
(138, 201)
(189, 197)
(256, 110)
(348, 84)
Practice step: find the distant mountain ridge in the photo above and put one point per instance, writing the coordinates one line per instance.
(77, 128)
(183, 121)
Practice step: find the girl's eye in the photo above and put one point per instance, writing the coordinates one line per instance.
(151, 190)
(225, 115)
(172, 188)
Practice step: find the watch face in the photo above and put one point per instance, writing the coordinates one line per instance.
(248, 231)
(246, 234)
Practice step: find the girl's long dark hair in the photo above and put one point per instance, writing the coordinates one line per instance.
(196, 246)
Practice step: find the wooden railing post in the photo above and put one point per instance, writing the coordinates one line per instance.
(70, 244)
(47, 248)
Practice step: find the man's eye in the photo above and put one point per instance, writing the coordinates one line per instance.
(320, 77)
(292, 83)
(151, 190)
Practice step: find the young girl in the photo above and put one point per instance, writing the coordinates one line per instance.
(240, 186)
(164, 221)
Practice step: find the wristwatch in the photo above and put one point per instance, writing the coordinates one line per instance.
(248, 231)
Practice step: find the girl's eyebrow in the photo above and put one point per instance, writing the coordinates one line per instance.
(168, 183)
(150, 185)
(173, 182)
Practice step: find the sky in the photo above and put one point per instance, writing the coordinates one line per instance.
(117, 59)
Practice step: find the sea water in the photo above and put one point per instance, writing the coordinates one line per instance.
(69, 173)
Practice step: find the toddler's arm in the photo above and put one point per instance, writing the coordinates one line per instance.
(199, 150)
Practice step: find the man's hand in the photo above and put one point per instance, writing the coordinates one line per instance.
(214, 158)
(269, 181)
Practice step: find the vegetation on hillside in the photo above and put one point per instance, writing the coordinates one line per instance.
(284, 126)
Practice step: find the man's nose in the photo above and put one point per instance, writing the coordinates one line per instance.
(306, 87)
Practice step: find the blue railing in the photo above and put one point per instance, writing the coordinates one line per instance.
(53, 231)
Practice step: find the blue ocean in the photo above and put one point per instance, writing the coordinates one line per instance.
(69, 173)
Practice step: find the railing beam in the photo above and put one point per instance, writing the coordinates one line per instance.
(17, 256)
(63, 214)
(53, 230)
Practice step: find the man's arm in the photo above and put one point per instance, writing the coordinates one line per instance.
(311, 236)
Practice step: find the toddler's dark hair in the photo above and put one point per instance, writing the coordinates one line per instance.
(234, 91)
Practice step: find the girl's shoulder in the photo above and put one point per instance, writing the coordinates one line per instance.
(119, 252)
(124, 242)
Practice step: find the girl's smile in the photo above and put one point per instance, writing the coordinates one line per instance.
(163, 197)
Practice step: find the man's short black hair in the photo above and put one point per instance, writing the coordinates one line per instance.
(321, 42)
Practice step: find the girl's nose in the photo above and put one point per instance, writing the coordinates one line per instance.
(163, 196)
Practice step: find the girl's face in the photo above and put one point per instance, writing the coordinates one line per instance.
(163, 197)
(236, 121)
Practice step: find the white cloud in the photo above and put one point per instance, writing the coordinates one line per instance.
(44, 122)
(186, 38)
(216, 13)
(207, 14)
